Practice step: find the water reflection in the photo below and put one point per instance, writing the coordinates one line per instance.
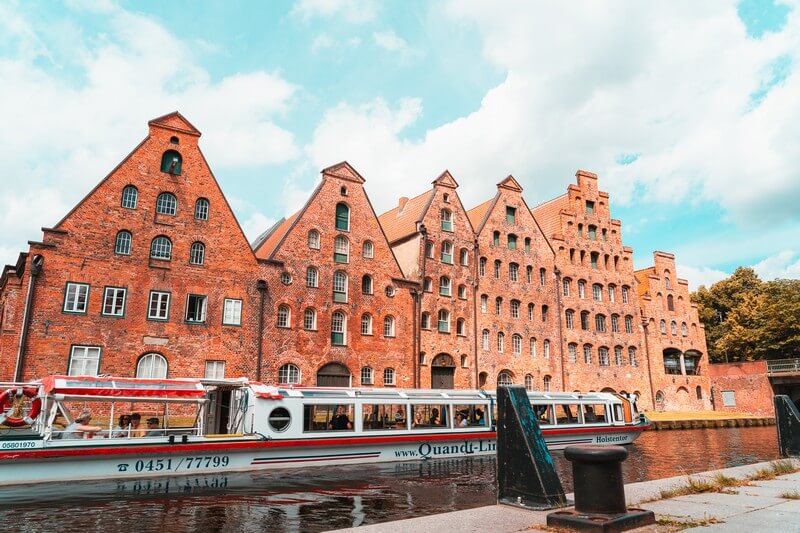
(338, 497)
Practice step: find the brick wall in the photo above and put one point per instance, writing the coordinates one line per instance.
(746, 383)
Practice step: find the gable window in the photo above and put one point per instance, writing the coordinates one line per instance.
(289, 374)
(337, 328)
(197, 254)
(667, 283)
(542, 275)
(425, 321)
(464, 257)
(310, 319)
(284, 316)
(461, 327)
(196, 308)
(462, 292)
(215, 370)
(342, 217)
(201, 209)
(388, 326)
(76, 298)
(368, 250)
(232, 312)
(496, 238)
(447, 252)
(628, 324)
(513, 270)
(512, 241)
(366, 376)
(313, 239)
(388, 376)
(484, 303)
(589, 207)
(565, 283)
(600, 323)
(614, 324)
(587, 354)
(429, 249)
(161, 248)
(312, 277)
(572, 353)
(339, 287)
(501, 341)
(546, 349)
(114, 301)
(485, 340)
(444, 286)
(447, 220)
(122, 245)
(166, 204)
(497, 269)
(482, 267)
(581, 289)
(585, 320)
(158, 309)
(366, 324)
(516, 344)
(592, 233)
(527, 245)
(511, 214)
(171, 162)
(130, 197)
(618, 355)
(151, 366)
(341, 249)
(84, 361)
(597, 292)
(444, 321)
(366, 284)
(624, 294)
(515, 308)
(570, 318)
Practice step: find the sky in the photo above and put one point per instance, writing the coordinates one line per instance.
(688, 111)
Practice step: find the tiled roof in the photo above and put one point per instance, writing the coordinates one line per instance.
(548, 215)
(265, 244)
(398, 224)
(478, 213)
(642, 276)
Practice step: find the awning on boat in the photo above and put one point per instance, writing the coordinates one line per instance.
(123, 387)
(265, 391)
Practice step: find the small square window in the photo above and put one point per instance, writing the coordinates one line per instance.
(84, 361)
(159, 306)
(76, 298)
(196, 308)
(215, 370)
(232, 312)
(114, 301)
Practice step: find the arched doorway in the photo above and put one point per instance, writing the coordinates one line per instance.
(333, 375)
(443, 370)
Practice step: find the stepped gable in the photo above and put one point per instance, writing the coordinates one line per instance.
(401, 221)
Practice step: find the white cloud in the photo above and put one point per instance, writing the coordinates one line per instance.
(321, 42)
(783, 265)
(390, 41)
(700, 276)
(355, 11)
(256, 224)
(69, 130)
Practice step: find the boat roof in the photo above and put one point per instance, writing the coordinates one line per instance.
(127, 387)
(276, 393)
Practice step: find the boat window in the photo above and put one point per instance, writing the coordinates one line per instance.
(279, 419)
(466, 415)
(385, 416)
(429, 416)
(618, 414)
(594, 414)
(544, 413)
(328, 417)
(566, 414)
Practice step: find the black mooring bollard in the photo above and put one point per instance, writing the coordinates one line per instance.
(599, 492)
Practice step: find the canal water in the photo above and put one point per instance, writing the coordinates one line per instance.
(337, 497)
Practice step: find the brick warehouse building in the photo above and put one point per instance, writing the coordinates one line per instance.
(151, 275)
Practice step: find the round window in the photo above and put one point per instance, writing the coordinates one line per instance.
(389, 291)
(279, 419)
(286, 278)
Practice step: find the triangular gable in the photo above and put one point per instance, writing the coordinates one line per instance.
(175, 121)
(446, 179)
(510, 183)
(343, 171)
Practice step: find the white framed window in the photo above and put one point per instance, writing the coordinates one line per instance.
(447, 220)
(152, 366)
(528, 382)
(462, 292)
(546, 383)
(581, 289)
(367, 376)
(498, 305)
(427, 285)
(602, 354)
(504, 379)
(628, 324)
(84, 361)
(444, 321)
(313, 239)
(729, 398)
(612, 293)
(341, 249)
(624, 294)
(312, 277)
(310, 319)
(166, 204)
(484, 303)
(76, 298)
(542, 276)
(485, 340)
(444, 286)
(338, 328)
(516, 344)
(161, 248)
(196, 307)
(366, 284)
(289, 374)
(515, 308)
(597, 292)
(501, 342)
(529, 273)
(388, 326)
(130, 197)
(464, 257)
(215, 370)
(570, 318)
(572, 353)
(461, 327)
(587, 354)
(201, 209)
(482, 267)
(197, 253)
(632, 356)
(158, 309)
(530, 311)
(389, 291)
(425, 321)
(614, 324)
(368, 249)
(513, 271)
(497, 264)
(114, 301)
(600, 323)
(284, 316)
(533, 347)
(388, 376)
(546, 349)
(566, 285)
(366, 324)
(122, 244)
(232, 312)
(429, 249)
(339, 287)
(447, 252)
(618, 355)
(286, 278)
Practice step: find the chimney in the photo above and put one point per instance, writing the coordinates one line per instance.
(402, 203)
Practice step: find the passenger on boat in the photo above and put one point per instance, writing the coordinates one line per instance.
(461, 421)
(479, 417)
(341, 420)
(399, 416)
(435, 420)
(418, 419)
(80, 429)
(121, 430)
(152, 428)
(136, 430)
(589, 414)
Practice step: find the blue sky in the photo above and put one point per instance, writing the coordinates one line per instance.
(687, 111)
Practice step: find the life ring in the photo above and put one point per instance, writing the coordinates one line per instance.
(15, 418)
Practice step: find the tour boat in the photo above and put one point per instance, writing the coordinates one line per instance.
(201, 426)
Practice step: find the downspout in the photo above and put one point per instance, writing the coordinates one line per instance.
(37, 262)
(414, 333)
(475, 278)
(424, 232)
(649, 366)
(261, 285)
(560, 327)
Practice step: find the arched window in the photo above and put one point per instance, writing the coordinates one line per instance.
(171, 162)
(462, 292)
(667, 283)
(201, 209)
(592, 233)
(632, 356)
(624, 294)
(341, 249)
(570, 318)
(612, 290)
(566, 284)
(600, 323)
(572, 352)
(427, 285)
(581, 289)
(312, 277)
(587, 354)
(342, 217)
(284, 316)
(368, 250)
(444, 321)
(513, 271)
(122, 245)
(544, 313)
(546, 383)
(484, 303)
(429, 249)
(388, 376)
(447, 252)
(501, 342)
(528, 382)
(485, 340)
(496, 238)
(614, 323)
(597, 292)
(684, 329)
(542, 276)
(673, 327)
(197, 253)
(367, 376)
(628, 324)
(498, 305)
(425, 321)
(161, 248)
(585, 320)
(152, 366)
(444, 286)
(388, 326)
(289, 374)
(504, 379)
(366, 324)
(310, 319)
(461, 327)
(463, 257)
(338, 322)
(366, 284)
(527, 245)
(670, 303)
(529, 272)
(512, 241)
(663, 327)
(482, 266)
(339, 287)
(166, 204)
(497, 264)
(618, 355)
(313, 239)
(130, 197)
(447, 220)
(533, 347)
(516, 344)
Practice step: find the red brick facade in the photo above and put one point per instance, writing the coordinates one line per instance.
(403, 300)
(742, 388)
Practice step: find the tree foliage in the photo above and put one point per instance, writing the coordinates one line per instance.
(748, 319)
